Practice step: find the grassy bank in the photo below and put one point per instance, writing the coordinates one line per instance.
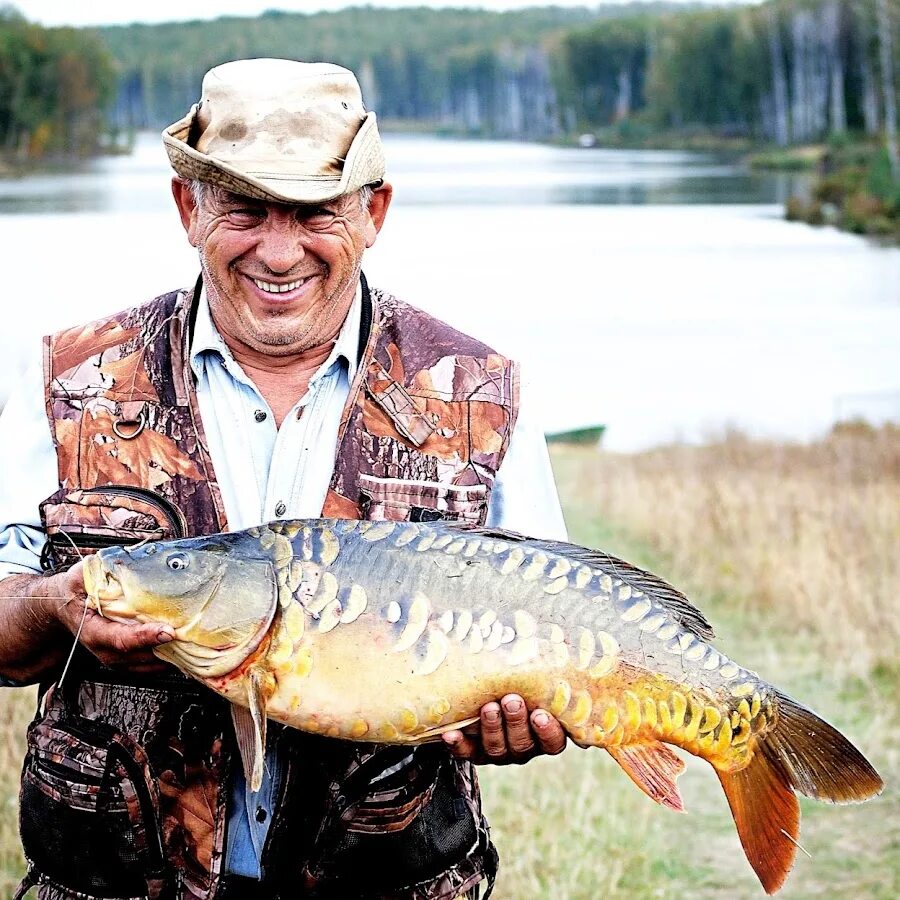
(854, 190)
(791, 552)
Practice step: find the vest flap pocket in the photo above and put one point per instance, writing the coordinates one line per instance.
(404, 835)
(407, 413)
(80, 522)
(88, 811)
(402, 500)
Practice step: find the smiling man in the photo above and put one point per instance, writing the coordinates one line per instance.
(281, 385)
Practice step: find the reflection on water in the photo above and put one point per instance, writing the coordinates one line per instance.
(482, 172)
(659, 293)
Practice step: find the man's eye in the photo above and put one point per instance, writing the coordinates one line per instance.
(247, 216)
(318, 219)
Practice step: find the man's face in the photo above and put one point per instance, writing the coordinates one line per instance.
(280, 279)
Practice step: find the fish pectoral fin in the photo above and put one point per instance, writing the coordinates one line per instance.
(250, 726)
(247, 741)
(432, 734)
(653, 767)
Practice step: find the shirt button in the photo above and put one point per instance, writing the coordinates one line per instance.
(260, 415)
(261, 814)
(280, 508)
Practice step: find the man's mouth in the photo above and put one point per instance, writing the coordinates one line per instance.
(272, 287)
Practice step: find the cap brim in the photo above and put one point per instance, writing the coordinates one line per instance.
(364, 165)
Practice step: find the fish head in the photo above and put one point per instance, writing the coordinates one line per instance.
(218, 593)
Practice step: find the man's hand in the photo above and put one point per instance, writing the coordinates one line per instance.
(116, 644)
(507, 734)
(40, 616)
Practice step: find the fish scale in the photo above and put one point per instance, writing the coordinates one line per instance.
(397, 632)
(617, 600)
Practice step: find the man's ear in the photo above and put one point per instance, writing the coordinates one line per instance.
(187, 207)
(378, 207)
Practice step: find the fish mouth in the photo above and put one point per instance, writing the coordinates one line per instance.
(203, 651)
(101, 586)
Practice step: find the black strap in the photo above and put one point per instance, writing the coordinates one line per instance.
(365, 324)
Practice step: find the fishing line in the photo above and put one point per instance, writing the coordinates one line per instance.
(796, 843)
(74, 645)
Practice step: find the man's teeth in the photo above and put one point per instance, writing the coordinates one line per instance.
(270, 288)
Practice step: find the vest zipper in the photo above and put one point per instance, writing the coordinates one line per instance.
(173, 515)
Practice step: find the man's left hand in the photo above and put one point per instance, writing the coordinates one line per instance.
(507, 734)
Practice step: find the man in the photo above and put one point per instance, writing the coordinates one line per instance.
(280, 386)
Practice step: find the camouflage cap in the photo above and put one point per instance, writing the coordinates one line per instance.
(278, 130)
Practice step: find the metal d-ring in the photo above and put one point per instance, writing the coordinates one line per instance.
(138, 423)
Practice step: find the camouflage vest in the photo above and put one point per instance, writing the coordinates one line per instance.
(126, 780)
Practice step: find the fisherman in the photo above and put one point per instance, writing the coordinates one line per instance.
(281, 386)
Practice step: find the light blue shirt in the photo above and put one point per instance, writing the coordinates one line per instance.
(264, 473)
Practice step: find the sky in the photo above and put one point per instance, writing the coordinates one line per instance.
(117, 12)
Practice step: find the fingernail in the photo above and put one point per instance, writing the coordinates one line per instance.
(492, 715)
(541, 719)
(452, 739)
(513, 706)
(164, 637)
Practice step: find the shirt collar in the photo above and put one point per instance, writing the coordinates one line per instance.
(206, 338)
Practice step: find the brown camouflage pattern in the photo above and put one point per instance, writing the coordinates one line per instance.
(422, 435)
(429, 404)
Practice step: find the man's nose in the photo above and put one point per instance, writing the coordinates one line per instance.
(282, 244)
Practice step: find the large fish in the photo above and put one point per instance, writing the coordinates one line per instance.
(397, 632)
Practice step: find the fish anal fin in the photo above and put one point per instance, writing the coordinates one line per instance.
(653, 767)
(767, 816)
(250, 725)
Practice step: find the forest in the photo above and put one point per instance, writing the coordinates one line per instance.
(56, 86)
(783, 72)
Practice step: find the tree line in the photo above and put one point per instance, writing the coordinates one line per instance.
(55, 88)
(786, 71)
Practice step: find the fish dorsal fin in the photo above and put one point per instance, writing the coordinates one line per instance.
(250, 728)
(653, 768)
(676, 604)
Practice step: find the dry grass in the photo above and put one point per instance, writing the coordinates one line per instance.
(793, 554)
(792, 551)
(16, 709)
(808, 531)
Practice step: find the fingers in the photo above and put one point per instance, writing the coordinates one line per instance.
(551, 736)
(508, 734)
(519, 739)
(493, 734)
(119, 644)
(463, 746)
(109, 640)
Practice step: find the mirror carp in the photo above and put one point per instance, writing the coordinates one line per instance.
(397, 632)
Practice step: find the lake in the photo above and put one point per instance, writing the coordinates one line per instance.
(660, 293)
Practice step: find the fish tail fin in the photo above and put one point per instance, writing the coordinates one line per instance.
(767, 816)
(803, 753)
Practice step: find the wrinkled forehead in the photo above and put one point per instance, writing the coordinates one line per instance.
(220, 196)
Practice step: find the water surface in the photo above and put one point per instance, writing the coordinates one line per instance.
(659, 293)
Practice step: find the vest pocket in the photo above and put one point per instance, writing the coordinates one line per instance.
(402, 500)
(88, 519)
(88, 813)
(411, 826)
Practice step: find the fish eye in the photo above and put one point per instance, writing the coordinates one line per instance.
(178, 561)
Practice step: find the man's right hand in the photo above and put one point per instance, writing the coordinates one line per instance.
(116, 644)
(40, 616)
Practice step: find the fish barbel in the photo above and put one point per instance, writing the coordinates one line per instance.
(397, 632)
